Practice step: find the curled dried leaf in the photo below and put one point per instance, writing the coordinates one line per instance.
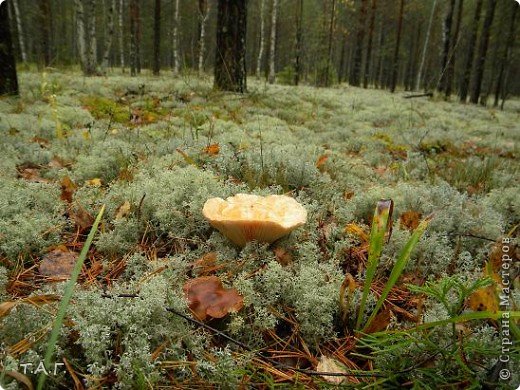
(208, 298)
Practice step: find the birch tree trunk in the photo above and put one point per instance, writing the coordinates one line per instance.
(110, 35)
(19, 30)
(425, 47)
(81, 42)
(262, 39)
(204, 8)
(175, 39)
(272, 71)
(121, 36)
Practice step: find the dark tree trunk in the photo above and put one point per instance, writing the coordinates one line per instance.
(481, 58)
(466, 77)
(299, 44)
(448, 21)
(505, 58)
(8, 79)
(230, 59)
(157, 38)
(355, 75)
(451, 60)
(134, 41)
(45, 31)
(378, 77)
(412, 59)
(329, 51)
(368, 60)
(395, 64)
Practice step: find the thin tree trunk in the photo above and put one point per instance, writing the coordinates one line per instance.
(329, 51)
(378, 77)
(262, 39)
(272, 51)
(81, 42)
(355, 76)
(157, 38)
(92, 42)
(466, 77)
(425, 48)
(109, 36)
(451, 60)
(448, 21)
(45, 34)
(481, 59)
(369, 46)
(19, 30)
(8, 77)
(230, 60)
(299, 44)
(134, 14)
(500, 91)
(121, 35)
(175, 38)
(204, 9)
(395, 65)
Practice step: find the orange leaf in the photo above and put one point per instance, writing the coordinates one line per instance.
(322, 160)
(208, 298)
(484, 299)
(410, 219)
(67, 189)
(357, 230)
(212, 149)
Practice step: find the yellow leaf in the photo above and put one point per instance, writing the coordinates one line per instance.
(94, 182)
(123, 210)
(484, 299)
(357, 230)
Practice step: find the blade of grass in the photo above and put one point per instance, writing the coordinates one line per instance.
(380, 224)
(398, 268)
(67, 295)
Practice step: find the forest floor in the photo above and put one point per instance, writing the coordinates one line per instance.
(154, 149)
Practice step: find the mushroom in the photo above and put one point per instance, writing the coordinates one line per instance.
(244, 217)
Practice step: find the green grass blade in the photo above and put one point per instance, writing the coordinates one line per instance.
(65, 300)
(398, 268)
(380, 224)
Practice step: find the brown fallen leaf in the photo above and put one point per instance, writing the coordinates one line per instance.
(208, 298)
(379, 323)
(67, 189)
(330, 365)
(206, 264)
(410, 219)
(58, 263)
(322, 160)
(123, 210)
(81, 217)
(212, 149)
(30, 172)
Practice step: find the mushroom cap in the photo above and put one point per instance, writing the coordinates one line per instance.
(244, 217)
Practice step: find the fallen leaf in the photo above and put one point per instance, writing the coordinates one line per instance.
(410, 219)
(31, 172)
(96, 182)
(81, 217)
(58, 263)
(123, 210)
(208, 298)
(41, 141)
(348, 195)
(283, 256)
(484, 299)
(67, 189)
(330, 365)
(357, 231)
(57, 163)
(322, 160)
(212, 150)
(206, 264)
(379, 323)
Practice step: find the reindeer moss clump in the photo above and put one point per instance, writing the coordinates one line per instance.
(154, 149)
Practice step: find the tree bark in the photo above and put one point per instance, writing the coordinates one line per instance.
(272, 48)
(92, 42)
(395, 64)
(204, 8)
(157, 38)
(230, 61)
(81, 37)
(299, 44)
(121, 35)
(358, 53)
(500, 91)
(454, 43)
(8, 77)
(45, 32)
(175, 38)
(331, 36)
(425, 48)
(369, 45)
(481, 59)
(262, 39)
(19, 30)
(466, 77)
(448, 21)
(134, 16)
(110, 35)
